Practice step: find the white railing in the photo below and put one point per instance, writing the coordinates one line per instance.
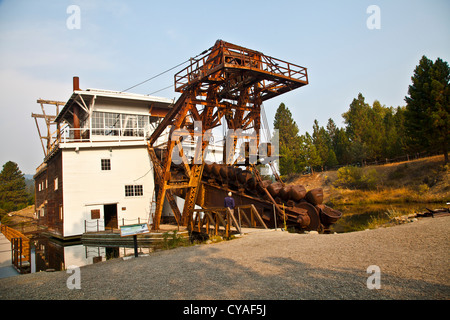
(94, 135)
(103, 134)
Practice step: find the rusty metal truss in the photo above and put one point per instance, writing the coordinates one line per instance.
(227, 81)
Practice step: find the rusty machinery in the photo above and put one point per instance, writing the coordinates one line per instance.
(231, 82)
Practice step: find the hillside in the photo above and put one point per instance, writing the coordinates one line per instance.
(422, 180)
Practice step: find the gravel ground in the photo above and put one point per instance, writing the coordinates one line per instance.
(413, 260)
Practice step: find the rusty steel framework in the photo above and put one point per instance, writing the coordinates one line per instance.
(227, 81)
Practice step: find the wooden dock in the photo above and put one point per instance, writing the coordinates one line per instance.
(112, 236)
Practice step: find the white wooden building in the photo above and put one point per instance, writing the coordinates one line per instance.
(98, 174)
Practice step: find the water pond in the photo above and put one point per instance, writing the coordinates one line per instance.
(49, 254)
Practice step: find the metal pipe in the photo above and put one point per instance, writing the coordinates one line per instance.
(76, 84)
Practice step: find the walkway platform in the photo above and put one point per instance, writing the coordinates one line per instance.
(112, 237)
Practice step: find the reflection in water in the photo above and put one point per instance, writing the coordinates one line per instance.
(356, 218)
(51, 254)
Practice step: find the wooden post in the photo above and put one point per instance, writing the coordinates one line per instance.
(135, 246)
(274, 217)
(207, 223)
(253, 224)
(216, 219)
(227, 224)
(239, 217)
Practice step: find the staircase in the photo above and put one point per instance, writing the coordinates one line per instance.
(20, 248)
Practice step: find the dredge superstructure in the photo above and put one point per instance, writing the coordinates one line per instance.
(229, 83)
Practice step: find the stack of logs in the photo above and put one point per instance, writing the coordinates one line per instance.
(301, 208)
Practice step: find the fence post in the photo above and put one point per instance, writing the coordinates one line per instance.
(274, 217)
(227, 225)
(12, 250)
(20, 252)
(216, 222)
(239, 217)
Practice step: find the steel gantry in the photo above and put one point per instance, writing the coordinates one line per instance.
(226, 82)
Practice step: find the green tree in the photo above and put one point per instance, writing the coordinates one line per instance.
(357, 122)
(374, 132)
(289, 141)
(310, 156)
(323, 143)
(13, 195)
(356, 118)
(393, 142)
(427, 114)
(341, 147)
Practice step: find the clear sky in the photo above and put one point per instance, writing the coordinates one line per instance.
(120, 43)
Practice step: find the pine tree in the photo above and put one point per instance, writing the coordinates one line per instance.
(341, 147)
(323, 143)
(311, 155)
(427, 114)
(289, 141)
(13, 195)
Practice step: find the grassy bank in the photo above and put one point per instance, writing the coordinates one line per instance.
(419, 181)
(401, 195)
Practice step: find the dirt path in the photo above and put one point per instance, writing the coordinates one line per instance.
(413, 260)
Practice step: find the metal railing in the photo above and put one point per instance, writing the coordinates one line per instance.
(237, 57)
(99, 225)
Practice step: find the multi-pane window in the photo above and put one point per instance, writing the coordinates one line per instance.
(106, 164)
(112, 124)
(139, 190)
(118, 124)
(98, 122)
(134, 190)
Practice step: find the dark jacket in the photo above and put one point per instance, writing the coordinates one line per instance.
(229, 202)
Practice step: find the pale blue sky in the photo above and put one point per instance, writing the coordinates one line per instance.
(121, 43)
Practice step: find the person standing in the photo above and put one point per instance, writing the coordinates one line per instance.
(229, 202)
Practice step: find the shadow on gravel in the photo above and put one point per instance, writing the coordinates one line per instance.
(284, 278)
(202, 274)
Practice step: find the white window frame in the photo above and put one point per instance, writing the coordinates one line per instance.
(105, 166)
(134, 190)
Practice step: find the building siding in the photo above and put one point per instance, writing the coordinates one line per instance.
(88, 188)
